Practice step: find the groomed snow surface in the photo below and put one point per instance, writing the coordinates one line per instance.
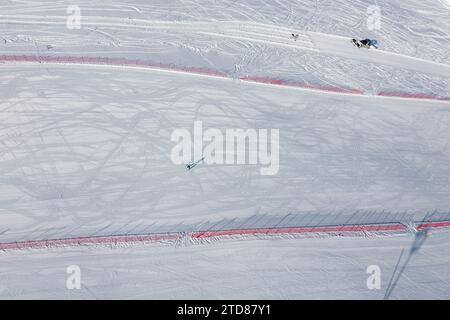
(318, 268)
(87, 178)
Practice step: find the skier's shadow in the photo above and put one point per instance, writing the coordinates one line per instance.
(419, 240)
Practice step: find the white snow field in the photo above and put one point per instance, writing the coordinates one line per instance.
(87, 178)
(261, 269)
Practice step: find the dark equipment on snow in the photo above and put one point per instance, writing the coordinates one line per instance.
(191, 165)
(365, 43)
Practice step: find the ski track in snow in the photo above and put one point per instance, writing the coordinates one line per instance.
(85, 123)
(59, 135)
(121, 29)
(242, 45)
(208, 236)
(258, 33)
(214, 73)
(263, 269)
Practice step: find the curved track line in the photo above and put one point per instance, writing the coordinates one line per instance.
(237, 30)
(122, 62)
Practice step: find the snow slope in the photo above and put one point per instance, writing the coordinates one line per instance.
(334, 268)
(78, 166)
(86, 118)
(250, 38)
